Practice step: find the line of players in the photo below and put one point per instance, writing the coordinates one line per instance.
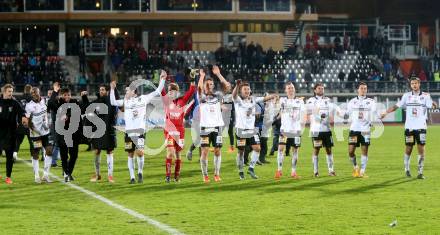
(294, 113)
(317, 111)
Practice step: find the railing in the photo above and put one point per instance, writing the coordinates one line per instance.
(305, 89)
(398, 32)
(95, 46)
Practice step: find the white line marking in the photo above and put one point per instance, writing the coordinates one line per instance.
(155, 223)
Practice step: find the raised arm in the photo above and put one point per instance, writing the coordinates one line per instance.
(53, 100)
(189, 93)
(201, 81)
(158, 90)
(235, 91)
(270, 97)
(223, 81)
(84, 101)
(113, 100)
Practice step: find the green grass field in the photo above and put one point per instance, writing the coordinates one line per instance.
(325, 205)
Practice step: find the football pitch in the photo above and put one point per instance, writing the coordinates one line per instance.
(324, 205)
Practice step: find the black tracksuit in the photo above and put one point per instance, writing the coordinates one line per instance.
(11, 113)
(68, 155)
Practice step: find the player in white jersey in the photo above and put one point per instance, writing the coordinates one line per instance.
(292, 114)
(36, 112)
(211, 121)
(319, 111)
(416, 103)
(362, 112)
(135, 116)
(246, 133)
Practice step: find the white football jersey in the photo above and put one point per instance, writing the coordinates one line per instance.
(245, 112)
(37, 112)
(135, 108)
(210, 110)
(416, 106)
(320, 109)
(135, 112)
(292, 114)
(362, 111)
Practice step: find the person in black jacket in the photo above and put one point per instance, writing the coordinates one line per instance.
(21, 130)
(106, 142)
(11, 115)
(68, 154)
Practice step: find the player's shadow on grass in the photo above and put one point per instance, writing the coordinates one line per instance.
(268, 185)
(310, 184)
(381, 185)
(236, 185)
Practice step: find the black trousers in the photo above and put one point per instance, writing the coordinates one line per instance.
(19, 140)
(68, 157)
(263, 145)
(231, 133)
(9, 161)
(7, 143)
(276, 138)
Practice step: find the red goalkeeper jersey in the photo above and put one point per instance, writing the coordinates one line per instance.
(175, 110)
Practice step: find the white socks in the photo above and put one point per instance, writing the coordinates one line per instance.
(130, 165)
(364, 160)
(254, 159)
(294, 160)
(421, 163)
(110, 164)
(204, 166)
(47, 165)
(280, 160)
(140, 161)
(315, 164)
(217, 164)
(330, 162)
(240, 161)
(406, 160)
(36, 166)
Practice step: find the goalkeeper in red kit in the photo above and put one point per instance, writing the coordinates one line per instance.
(175, 110)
